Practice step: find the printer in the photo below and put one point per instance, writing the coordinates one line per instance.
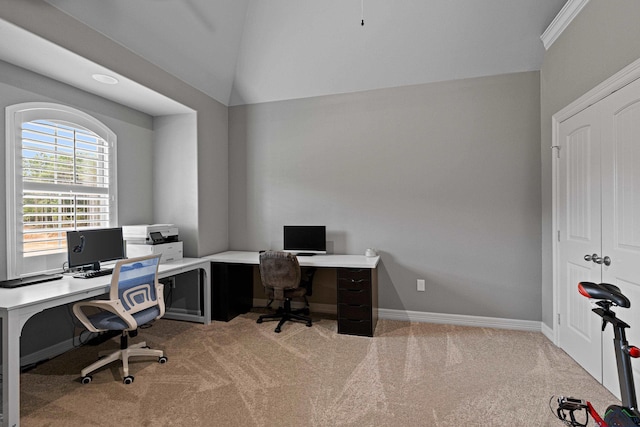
(152, 239)
(153, 234)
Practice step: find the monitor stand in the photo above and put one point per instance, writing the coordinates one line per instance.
(93, 267)
(305, 254)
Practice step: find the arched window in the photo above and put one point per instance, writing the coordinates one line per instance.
(61, 176)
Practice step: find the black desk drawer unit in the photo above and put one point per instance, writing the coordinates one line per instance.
(231, 290)
(357, 301)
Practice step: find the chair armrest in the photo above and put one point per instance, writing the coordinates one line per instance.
(112, 306)
(160, 298)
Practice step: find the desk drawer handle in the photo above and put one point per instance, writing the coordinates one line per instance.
(356, 290)
(358, 281)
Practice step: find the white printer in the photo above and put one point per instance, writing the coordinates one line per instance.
(151, 239)
(144, 234)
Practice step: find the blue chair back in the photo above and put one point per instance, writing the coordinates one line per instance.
(134, 283)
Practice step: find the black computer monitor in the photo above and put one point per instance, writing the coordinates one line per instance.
(88, 248)
(305, 239)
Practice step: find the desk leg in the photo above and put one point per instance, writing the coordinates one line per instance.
(206, 295)
(10, 370)
(203, 271)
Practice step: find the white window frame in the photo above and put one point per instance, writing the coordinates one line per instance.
(16, 115)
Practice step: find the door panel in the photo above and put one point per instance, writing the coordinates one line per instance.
(580, 319)
(621, 215)
(580, 235)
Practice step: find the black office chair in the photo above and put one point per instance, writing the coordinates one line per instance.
(282, 278)
(135, 298)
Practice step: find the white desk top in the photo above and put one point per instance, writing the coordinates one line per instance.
(347, 261)
(11, 299)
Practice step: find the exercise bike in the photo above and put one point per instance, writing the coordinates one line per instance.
(627, 414)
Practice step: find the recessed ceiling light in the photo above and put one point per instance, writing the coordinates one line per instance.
(103, 78)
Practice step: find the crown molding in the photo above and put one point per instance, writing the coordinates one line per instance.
(562, 20)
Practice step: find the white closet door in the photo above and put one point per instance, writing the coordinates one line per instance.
(621, 215)
(580, 235)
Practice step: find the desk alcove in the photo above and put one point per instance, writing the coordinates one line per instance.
(356, 287)
(18, 305)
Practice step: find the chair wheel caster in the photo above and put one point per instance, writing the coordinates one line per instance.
(259, 320)
(308, 324)
(86, 379)
(277, 330)
(162, 360)
(128, 379)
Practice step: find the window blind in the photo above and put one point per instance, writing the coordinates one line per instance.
(65, 173)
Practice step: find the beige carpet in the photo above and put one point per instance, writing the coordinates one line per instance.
(243, 374)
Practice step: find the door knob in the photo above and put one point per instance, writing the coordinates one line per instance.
(589, 257)
(599, 260)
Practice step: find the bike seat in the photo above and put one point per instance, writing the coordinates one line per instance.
(604, 291)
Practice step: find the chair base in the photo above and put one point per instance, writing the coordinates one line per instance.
(286, 314)
(106, 357)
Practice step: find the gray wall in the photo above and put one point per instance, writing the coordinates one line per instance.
(176, 196)
(133, 129)
(446, 199)
(205, 187)
(135, 174)
(599, 42)
(209, 185)
(444, 179)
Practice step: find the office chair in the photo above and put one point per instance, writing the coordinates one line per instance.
(281, 277)
(135, 298)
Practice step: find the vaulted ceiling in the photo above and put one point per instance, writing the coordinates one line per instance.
(251, 51)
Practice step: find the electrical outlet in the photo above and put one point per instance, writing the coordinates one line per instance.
(421, 286)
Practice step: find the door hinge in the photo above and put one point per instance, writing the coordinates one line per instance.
(557, 147)
(558, 318)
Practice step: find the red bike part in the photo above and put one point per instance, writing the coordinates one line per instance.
(582, 291)
(599, 421)
(633, 351)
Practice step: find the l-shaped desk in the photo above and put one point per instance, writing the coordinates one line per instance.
(19, 304)
(356, 284)
(227, 291)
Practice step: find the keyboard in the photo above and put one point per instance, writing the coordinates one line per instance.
(32, 280)
(90, 274)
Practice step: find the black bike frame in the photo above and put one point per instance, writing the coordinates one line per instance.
(623, 359)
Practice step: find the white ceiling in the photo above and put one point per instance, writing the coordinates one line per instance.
(300, 48)
(43, 57)
(195, 40)
(250, 51)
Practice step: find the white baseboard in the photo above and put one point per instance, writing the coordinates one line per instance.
(182, 311)
(425, 317)
(47, 353)
(460, 319)
(313, 307)
(548, 332)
